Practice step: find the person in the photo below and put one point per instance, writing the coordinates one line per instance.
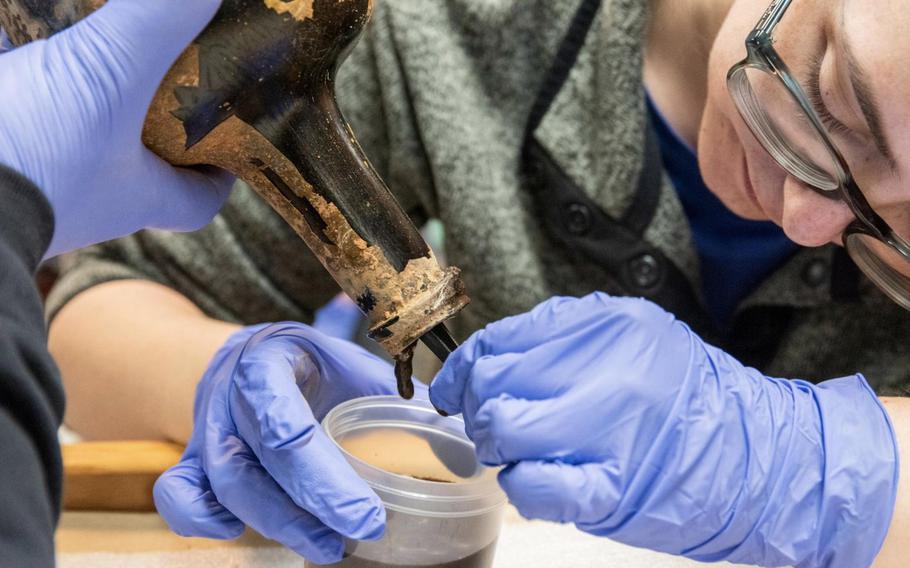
(556, 142)
(73, 171)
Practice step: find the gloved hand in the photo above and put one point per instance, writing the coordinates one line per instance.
(258, 456)
(71, 115)
(612, 415)
(5, 44)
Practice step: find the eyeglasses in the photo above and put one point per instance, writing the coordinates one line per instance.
(782, 118)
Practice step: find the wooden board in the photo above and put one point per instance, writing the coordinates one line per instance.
(114, 476)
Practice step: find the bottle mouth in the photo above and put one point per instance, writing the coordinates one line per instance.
(417, 461)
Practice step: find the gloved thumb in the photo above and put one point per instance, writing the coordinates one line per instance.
(188, 199)
(150, 35)
(185, 501)
(192, 197)
(559, 492)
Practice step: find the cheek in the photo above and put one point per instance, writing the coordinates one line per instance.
(720, 159)
(727, 50)
(724, 140)
(736, 168)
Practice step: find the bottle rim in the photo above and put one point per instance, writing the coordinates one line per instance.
(474, 496)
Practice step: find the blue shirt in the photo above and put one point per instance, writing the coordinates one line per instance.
(736, 254)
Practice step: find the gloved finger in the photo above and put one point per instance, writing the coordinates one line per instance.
(189, 198)
(580, 327)
(539, 374)
(508, 429)
(280, 427)
(442, 447)
(243, 486)
(185, 501)
(448, 387)
(529, 375)
(560, 317)
(329, 370)
(557, 492)
(513, 335)
(187, 201)
(148, 36)
(520, 333)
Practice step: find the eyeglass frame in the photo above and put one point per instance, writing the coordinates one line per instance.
(761, 55)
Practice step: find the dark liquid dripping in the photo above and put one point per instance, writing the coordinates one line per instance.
(404, 369)
(482, 559)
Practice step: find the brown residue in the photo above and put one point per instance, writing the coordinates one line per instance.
(401, 452)
(433, 479)
(300, 10)
(420, 296)
(408, 303)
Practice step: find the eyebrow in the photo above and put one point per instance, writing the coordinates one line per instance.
(868, 104)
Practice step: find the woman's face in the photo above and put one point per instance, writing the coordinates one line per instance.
(855, 41)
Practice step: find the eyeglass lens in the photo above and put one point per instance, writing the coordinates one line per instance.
(882, 264)
(787, 132)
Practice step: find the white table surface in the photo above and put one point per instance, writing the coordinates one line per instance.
(107, 540)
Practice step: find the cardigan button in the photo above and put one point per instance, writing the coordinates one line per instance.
(578, 219)
(645, 270)
(816, 273)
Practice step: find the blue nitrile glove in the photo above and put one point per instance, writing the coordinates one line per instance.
(5, 44)
(71, 115)
(257, 455)
(612, 415)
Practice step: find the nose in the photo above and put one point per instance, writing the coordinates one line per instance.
(811, 219)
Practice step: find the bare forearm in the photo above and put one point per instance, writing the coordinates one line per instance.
(131, 353)
(894, 551)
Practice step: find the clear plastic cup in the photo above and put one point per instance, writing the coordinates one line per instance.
(444, 509)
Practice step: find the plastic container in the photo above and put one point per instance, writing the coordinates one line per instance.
(444, 509)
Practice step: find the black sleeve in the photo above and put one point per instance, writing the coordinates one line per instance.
(31, 394)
